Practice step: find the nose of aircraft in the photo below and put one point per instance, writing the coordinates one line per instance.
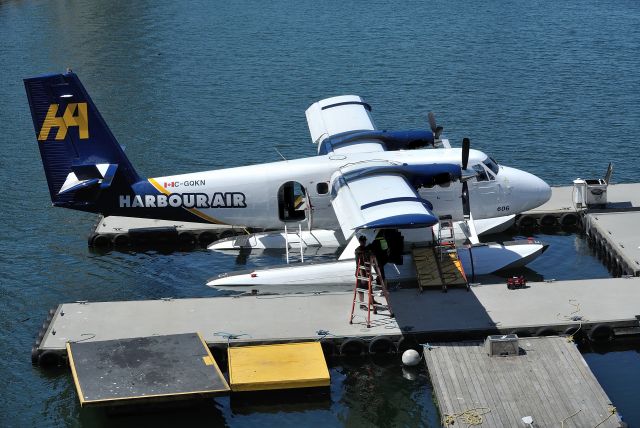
(527, 190)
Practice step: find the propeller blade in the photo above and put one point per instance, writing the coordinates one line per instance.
(438, 132)
(466, 145)
(466, 207)
(432, 122)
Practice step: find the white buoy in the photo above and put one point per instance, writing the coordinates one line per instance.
(410, 357)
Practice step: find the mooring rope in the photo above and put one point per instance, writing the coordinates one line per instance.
(471, 417)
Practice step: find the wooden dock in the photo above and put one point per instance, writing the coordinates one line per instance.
(549, 381)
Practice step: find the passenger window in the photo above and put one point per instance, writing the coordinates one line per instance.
(322, 188)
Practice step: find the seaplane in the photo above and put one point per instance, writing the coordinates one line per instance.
(363, 181)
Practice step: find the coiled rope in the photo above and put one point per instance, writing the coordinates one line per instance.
(471, 417)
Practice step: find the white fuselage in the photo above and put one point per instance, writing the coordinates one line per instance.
(252, 196)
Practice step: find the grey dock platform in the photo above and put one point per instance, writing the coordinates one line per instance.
(559, 210)
(143, 370)
(619, 196)
(123, 231)
(549, 381)
(542, 308)
(616, 238)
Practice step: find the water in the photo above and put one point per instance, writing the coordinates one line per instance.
(550, 88)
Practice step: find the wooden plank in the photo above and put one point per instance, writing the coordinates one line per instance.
(527, 397)
(561, 375)
(485, 397)
(507, 392)
(438, 381)
(549, 396)
(451, 372)
(593, 408)
(492, 393)
(536, 406)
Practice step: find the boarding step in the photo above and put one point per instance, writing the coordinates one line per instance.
(436, 268)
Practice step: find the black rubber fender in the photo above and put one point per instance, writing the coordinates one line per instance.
(187, 238)
(49, 359)
(601, 333)
(206, 237)
(546, 331)
(569, 219)
(352, 347)
(121, 240)
(101, 241)
(548, 220)
(525, 222)
(381, 345)
(34, 355)
(408, 342)
(576, 332)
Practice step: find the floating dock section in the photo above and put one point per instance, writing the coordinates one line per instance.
(560, 210)
(282, 366)
(599, 308)
(548, 381)
(127, 231)
(616, 238)
(143, 370)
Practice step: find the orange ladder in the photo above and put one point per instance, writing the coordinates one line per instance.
(367, 270)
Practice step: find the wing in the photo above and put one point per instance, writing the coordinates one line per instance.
(343, 125)
(379, 200)
(339, 116)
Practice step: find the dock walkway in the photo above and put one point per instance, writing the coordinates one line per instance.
(541, 308)
(619, 197)
(616, 238)
(549, 381)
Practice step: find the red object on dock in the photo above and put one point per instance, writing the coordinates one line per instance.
(516, 282)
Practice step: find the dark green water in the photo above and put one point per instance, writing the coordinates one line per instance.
(550, 88)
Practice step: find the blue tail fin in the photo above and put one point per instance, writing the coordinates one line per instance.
(82, 159)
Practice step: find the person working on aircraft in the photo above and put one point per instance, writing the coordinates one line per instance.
(363, 255)
(380, 249)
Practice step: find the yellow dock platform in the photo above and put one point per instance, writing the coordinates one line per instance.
(282, 366)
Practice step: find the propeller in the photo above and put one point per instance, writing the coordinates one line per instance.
(437, 130)
(466, 207)
(466, 204)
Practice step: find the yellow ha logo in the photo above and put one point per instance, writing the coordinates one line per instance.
(74, 115)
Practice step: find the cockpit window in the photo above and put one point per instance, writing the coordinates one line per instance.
(492, 165)
(481, 174)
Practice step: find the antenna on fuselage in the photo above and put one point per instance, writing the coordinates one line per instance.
(281, 155)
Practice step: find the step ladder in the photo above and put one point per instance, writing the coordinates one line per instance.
(438, 265)
(300, 241)
(368, 273)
